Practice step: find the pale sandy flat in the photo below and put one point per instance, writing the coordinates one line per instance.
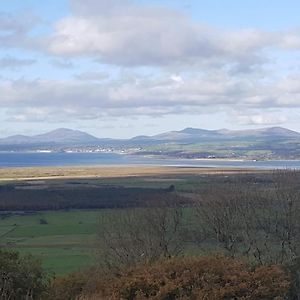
(43, 173)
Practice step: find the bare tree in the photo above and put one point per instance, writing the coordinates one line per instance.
(219, 213)
(260, 221)
(137, 235)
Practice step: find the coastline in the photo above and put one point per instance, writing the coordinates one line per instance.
(164, 157)
(112, 171)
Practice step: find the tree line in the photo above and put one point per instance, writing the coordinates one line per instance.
(21, 199)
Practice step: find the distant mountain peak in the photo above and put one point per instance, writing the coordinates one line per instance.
(66, 136)
(62, 129)
(223, 130)
(19, 136)
(57, 136)
(192, 130)
(278, 129)
(267, 131)
(197, 134)
(65, 130)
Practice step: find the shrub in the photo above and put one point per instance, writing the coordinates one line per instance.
(68, 287)
(43, 222)
(21, 277)
(212, 278)
(294, 270)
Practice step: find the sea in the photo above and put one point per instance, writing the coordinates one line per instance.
(14, 159)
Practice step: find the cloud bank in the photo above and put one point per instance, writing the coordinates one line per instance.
(156, 61)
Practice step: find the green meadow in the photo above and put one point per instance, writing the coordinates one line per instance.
(67, 241)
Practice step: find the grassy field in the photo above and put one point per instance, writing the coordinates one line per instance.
(66, 243)
(67, 240)
(233, 149)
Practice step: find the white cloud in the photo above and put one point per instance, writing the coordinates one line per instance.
(90, 99)
(128, 33)
(262, 119)
(194, 68)
(177, 78)
(291, 39)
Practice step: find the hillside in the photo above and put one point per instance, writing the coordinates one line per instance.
(58, 136)
(195, 134)
(263, 143)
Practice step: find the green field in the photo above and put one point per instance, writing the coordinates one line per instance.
(66, 243)
(233, 149)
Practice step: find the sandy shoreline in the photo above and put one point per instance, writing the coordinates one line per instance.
(44, 173)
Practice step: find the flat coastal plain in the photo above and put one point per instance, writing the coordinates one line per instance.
(44, 173)
(53, 213)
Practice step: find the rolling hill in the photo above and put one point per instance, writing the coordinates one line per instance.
(58, 136)
(195, 134)
(264, 143)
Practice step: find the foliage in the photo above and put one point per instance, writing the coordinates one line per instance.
(68, 287)
(212, 278)
(43, 222)
(23, 198)
(293, 268)
(21, 277)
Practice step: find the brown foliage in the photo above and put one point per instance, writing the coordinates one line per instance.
(211, 278)
(68, 287)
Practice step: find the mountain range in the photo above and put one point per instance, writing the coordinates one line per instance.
(264, 143)
(58, 136)
(196, 134)
(64, 136)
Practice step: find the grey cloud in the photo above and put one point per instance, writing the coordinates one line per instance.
(131, 34)
(128, 33)
(15, 30)
(134, 35)
(290, 40)
(92, 76)
(10, 62)
(74, 99)
(197, 68)
(99, 7)
(12, 24)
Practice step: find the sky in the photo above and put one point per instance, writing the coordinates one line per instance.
(122, 68)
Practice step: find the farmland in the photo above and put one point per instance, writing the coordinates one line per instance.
(64, 244)
(66, 239)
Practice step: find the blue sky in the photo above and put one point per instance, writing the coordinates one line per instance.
(120, 68)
